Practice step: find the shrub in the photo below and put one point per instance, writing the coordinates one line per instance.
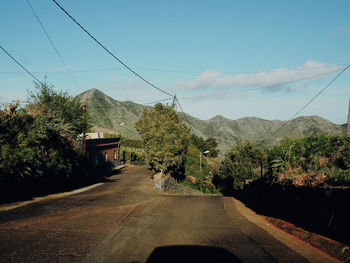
(237, 167)
(315, 155)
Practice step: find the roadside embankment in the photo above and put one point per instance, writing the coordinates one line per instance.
(324, 211)
(169, 185)
(13, 205)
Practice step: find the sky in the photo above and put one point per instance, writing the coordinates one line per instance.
(263, 59)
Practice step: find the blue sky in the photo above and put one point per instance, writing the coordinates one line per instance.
(266, 58)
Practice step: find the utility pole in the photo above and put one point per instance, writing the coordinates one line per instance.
(174, 103)
(84, 135)
(348, 129)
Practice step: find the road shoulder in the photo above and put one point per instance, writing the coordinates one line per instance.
(309, 252)
(11, 206)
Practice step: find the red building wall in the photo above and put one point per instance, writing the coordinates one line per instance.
(103, 150)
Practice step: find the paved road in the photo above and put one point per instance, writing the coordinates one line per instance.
(124, 220)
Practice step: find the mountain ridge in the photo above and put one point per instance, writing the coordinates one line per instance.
(113, 116)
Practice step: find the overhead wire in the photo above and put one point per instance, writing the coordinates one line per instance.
(146, 103)
(258, 88)
(312, 99)
(307, 104)
(253, 89)
(158, 101)
(18, 63)
(185, 117)
(110, 53)
(53, 45)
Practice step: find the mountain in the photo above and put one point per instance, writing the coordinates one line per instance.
(228, 132)
(110, 115)
(107, 114)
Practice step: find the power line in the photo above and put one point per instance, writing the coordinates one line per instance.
(252, 89)
(183, 113)
(109, 52)
(53, 45)
(158, 101)
(21, 65)
(308, 103)
(139, 103)
(233, 92)
(313, 98)
(257, 88)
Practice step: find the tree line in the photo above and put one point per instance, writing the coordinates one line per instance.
(171, 148)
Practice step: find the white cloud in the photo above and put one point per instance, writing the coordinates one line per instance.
(214, 79)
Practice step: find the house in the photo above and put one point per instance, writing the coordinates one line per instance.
(103, 150)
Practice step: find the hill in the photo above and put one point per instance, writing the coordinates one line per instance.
(228, 132)
(107, 114)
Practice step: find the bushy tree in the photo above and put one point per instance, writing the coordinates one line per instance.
(18, 158)
(39, 144)
(165, 139)
(237, 167)
(56, 113)
(209, 144)
(192, 163)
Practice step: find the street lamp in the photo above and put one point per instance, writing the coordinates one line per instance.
(200, 159)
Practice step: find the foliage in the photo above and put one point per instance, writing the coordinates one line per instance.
(237, 167)
(56, 113)
(165, 139)
(209, 144)
(195, 178)
(315, 156)
(38, 144)
(125, 141)
(201, 185)
(132, 156)
(192, 163)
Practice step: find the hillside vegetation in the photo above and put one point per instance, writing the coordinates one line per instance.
(107, 114)
(313, 161)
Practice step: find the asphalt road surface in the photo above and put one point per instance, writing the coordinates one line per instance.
(125, 220)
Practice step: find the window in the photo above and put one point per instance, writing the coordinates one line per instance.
(106, 157)
(115, 155)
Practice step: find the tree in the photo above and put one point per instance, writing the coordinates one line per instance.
(209, 144)
(58, 122)
(165, 138)
(39, 144)
(237, 167)
(18, 159)
(57, 113)
(192, 163)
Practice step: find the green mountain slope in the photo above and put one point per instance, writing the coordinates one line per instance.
(228, 132)
(107, 114)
